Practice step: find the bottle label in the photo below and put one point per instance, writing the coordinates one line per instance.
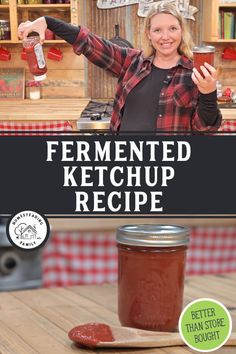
(39, 55)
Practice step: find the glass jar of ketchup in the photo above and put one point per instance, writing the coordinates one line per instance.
(5, 32)
(151, 267)
(35, 56)
(203, 54)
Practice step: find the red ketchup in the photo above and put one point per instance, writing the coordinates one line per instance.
(151, 266)
(90, 334)
(35, 56)
(201, 55)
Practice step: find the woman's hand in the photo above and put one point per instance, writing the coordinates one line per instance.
(207, 83)
(38, 26)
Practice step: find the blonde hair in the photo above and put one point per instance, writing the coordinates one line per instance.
(167, 8)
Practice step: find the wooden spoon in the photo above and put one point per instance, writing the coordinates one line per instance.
(101, 335)
(138, 338)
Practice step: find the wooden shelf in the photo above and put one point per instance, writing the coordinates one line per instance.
(230, 40)
(232, 4)
(23, 12)
(5, 41)
(53, 41)
(211, 9)
(44, 6)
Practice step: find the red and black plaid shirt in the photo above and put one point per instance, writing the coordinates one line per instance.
(178, 102)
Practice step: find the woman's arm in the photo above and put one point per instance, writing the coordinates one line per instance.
(207, 115)
(208, 109)
(38, 26)
(99, 51)
(62, 29)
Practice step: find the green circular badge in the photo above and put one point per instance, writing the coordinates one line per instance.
(205, 325)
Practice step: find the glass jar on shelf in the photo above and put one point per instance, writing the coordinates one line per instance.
(34, 90)
(5, 32)
(33, 2)
(4, 2)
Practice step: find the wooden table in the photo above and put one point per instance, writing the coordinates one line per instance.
(37, 321)
(228, 113)
(43, 110)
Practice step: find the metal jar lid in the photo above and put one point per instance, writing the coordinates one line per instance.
(153, 235)
(203, 49)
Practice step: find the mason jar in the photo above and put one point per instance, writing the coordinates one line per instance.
(203, 54)
(34, 89)
(151, 268)
(5, 33)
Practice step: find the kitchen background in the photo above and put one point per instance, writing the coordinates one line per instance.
(72, 77)
(83, 251)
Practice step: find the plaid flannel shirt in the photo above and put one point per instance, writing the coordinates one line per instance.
(178, 101)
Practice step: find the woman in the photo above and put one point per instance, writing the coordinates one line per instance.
(158, 88)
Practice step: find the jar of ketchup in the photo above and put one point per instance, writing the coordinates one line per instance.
(151, 267)
(35, 56)
(203, 54)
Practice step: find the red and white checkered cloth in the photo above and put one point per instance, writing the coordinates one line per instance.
(212, 251)
(228, 126)
(72, 258)
(6, 127)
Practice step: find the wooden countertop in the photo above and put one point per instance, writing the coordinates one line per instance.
(57, 109)
(37, 321)
(43, 109)
(228, 113)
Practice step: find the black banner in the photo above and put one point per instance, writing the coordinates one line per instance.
(118, 175)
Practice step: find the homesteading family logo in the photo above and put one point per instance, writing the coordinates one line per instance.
(28, 230)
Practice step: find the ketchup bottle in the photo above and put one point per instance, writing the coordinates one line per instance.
(35, 56)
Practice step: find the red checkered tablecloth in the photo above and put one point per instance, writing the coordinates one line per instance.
(228, 126)
(72, 258)
(212, 251)
(80, 258)
(12, 128)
